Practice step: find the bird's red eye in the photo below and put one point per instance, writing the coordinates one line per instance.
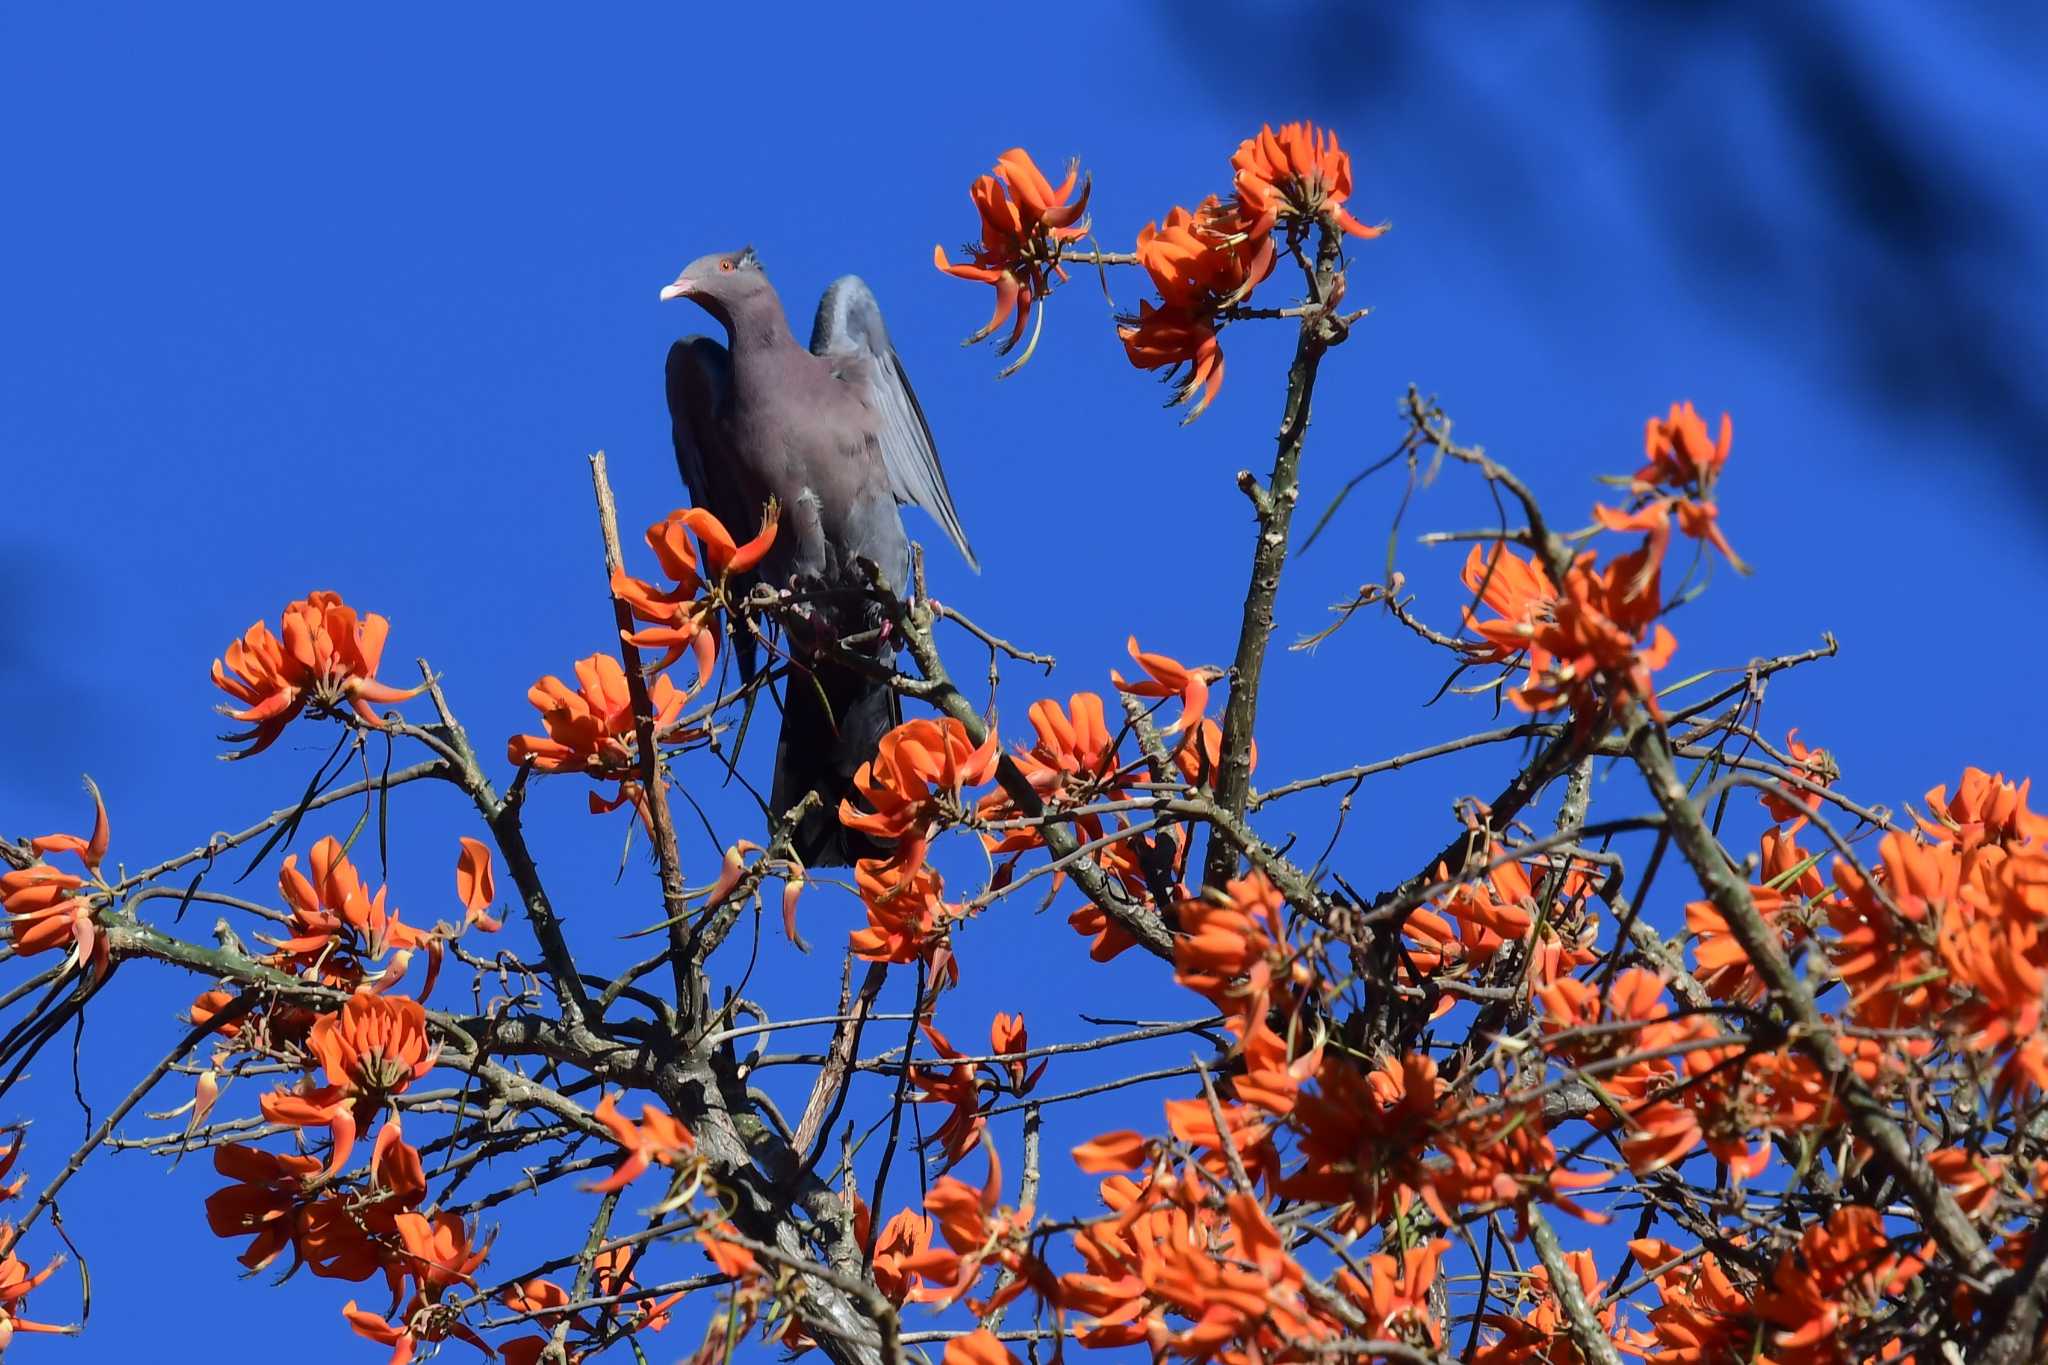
(725, 265)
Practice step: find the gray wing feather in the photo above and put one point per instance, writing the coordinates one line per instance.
(849, 327)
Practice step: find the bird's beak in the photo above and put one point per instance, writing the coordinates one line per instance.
(678, 289)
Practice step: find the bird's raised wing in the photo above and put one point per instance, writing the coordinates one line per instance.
(849, 332)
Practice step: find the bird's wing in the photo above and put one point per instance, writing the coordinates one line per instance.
(699, 378)
(849, 329)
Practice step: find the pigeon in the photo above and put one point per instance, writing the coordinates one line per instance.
(835, 436)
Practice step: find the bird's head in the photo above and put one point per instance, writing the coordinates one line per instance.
(722, 283)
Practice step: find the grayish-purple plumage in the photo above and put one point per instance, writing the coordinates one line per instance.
(835, 435)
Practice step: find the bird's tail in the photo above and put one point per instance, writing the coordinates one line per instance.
(832, 721)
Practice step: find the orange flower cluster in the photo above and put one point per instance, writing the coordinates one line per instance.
(1225, 1273)
(591, 730)
(327, 660)
(353, 1230)
(1520, 593)
(611, 1275)
(1299, 175)
(1589, 646)
(1951, 928)
(957, 1087)
(371, 1049)
(341, 935)
(1192, 1244)
(1821, 1293)
(47, 908)
(1798, 805)
(659, 1139)
(1792, 882)
(1674, 1086)
(1461, 935)
(1677, 481)
(1202, 263)
(678, 618)
(1544, 1333)
(339, 931)
(1206, 262)
(1025, 224)
(338, 1230)
(958, 1084)
(914, 786)
(437, 1254)
(979, 1234)
(16, 1280)
(1074, 761)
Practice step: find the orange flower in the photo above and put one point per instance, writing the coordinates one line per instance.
(591, 730)
(1107, 937)
(1075, 758)
(1298, 173)
(914, 784)
(1395, 1295)
(335, 921)
(476, 885)
(957, 1086)
(1836, 1280)
(89, 850)
(326, 660)
(1885, 933)
(1200, 755)
(1119, 1151)
(907, 1235)
(373, 1047)
(15, 1286)
(1816, 766)
(1166, 677)
(1600, 641)
(1697, 519)
(729, 1256)
(1006, 1035)
(265, 1200)
(1517, 589)
(979, 1347)
(1231, 947)
(977, 1232)
(46, 907)
(1202, 263)
(659, 1138)
(1545, 1333)
(438, 1250)
(722, 553)
(1985, 809)
(1273, 1073)
(1679, 453)
(1704, 1319)
(1025, 224)
(908, 917)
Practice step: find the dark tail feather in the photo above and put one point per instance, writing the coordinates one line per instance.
(832, 721)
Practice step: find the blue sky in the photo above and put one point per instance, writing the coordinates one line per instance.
(297, 303)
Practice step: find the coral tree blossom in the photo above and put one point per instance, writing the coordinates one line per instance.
(1026, 222)
(327, 660)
